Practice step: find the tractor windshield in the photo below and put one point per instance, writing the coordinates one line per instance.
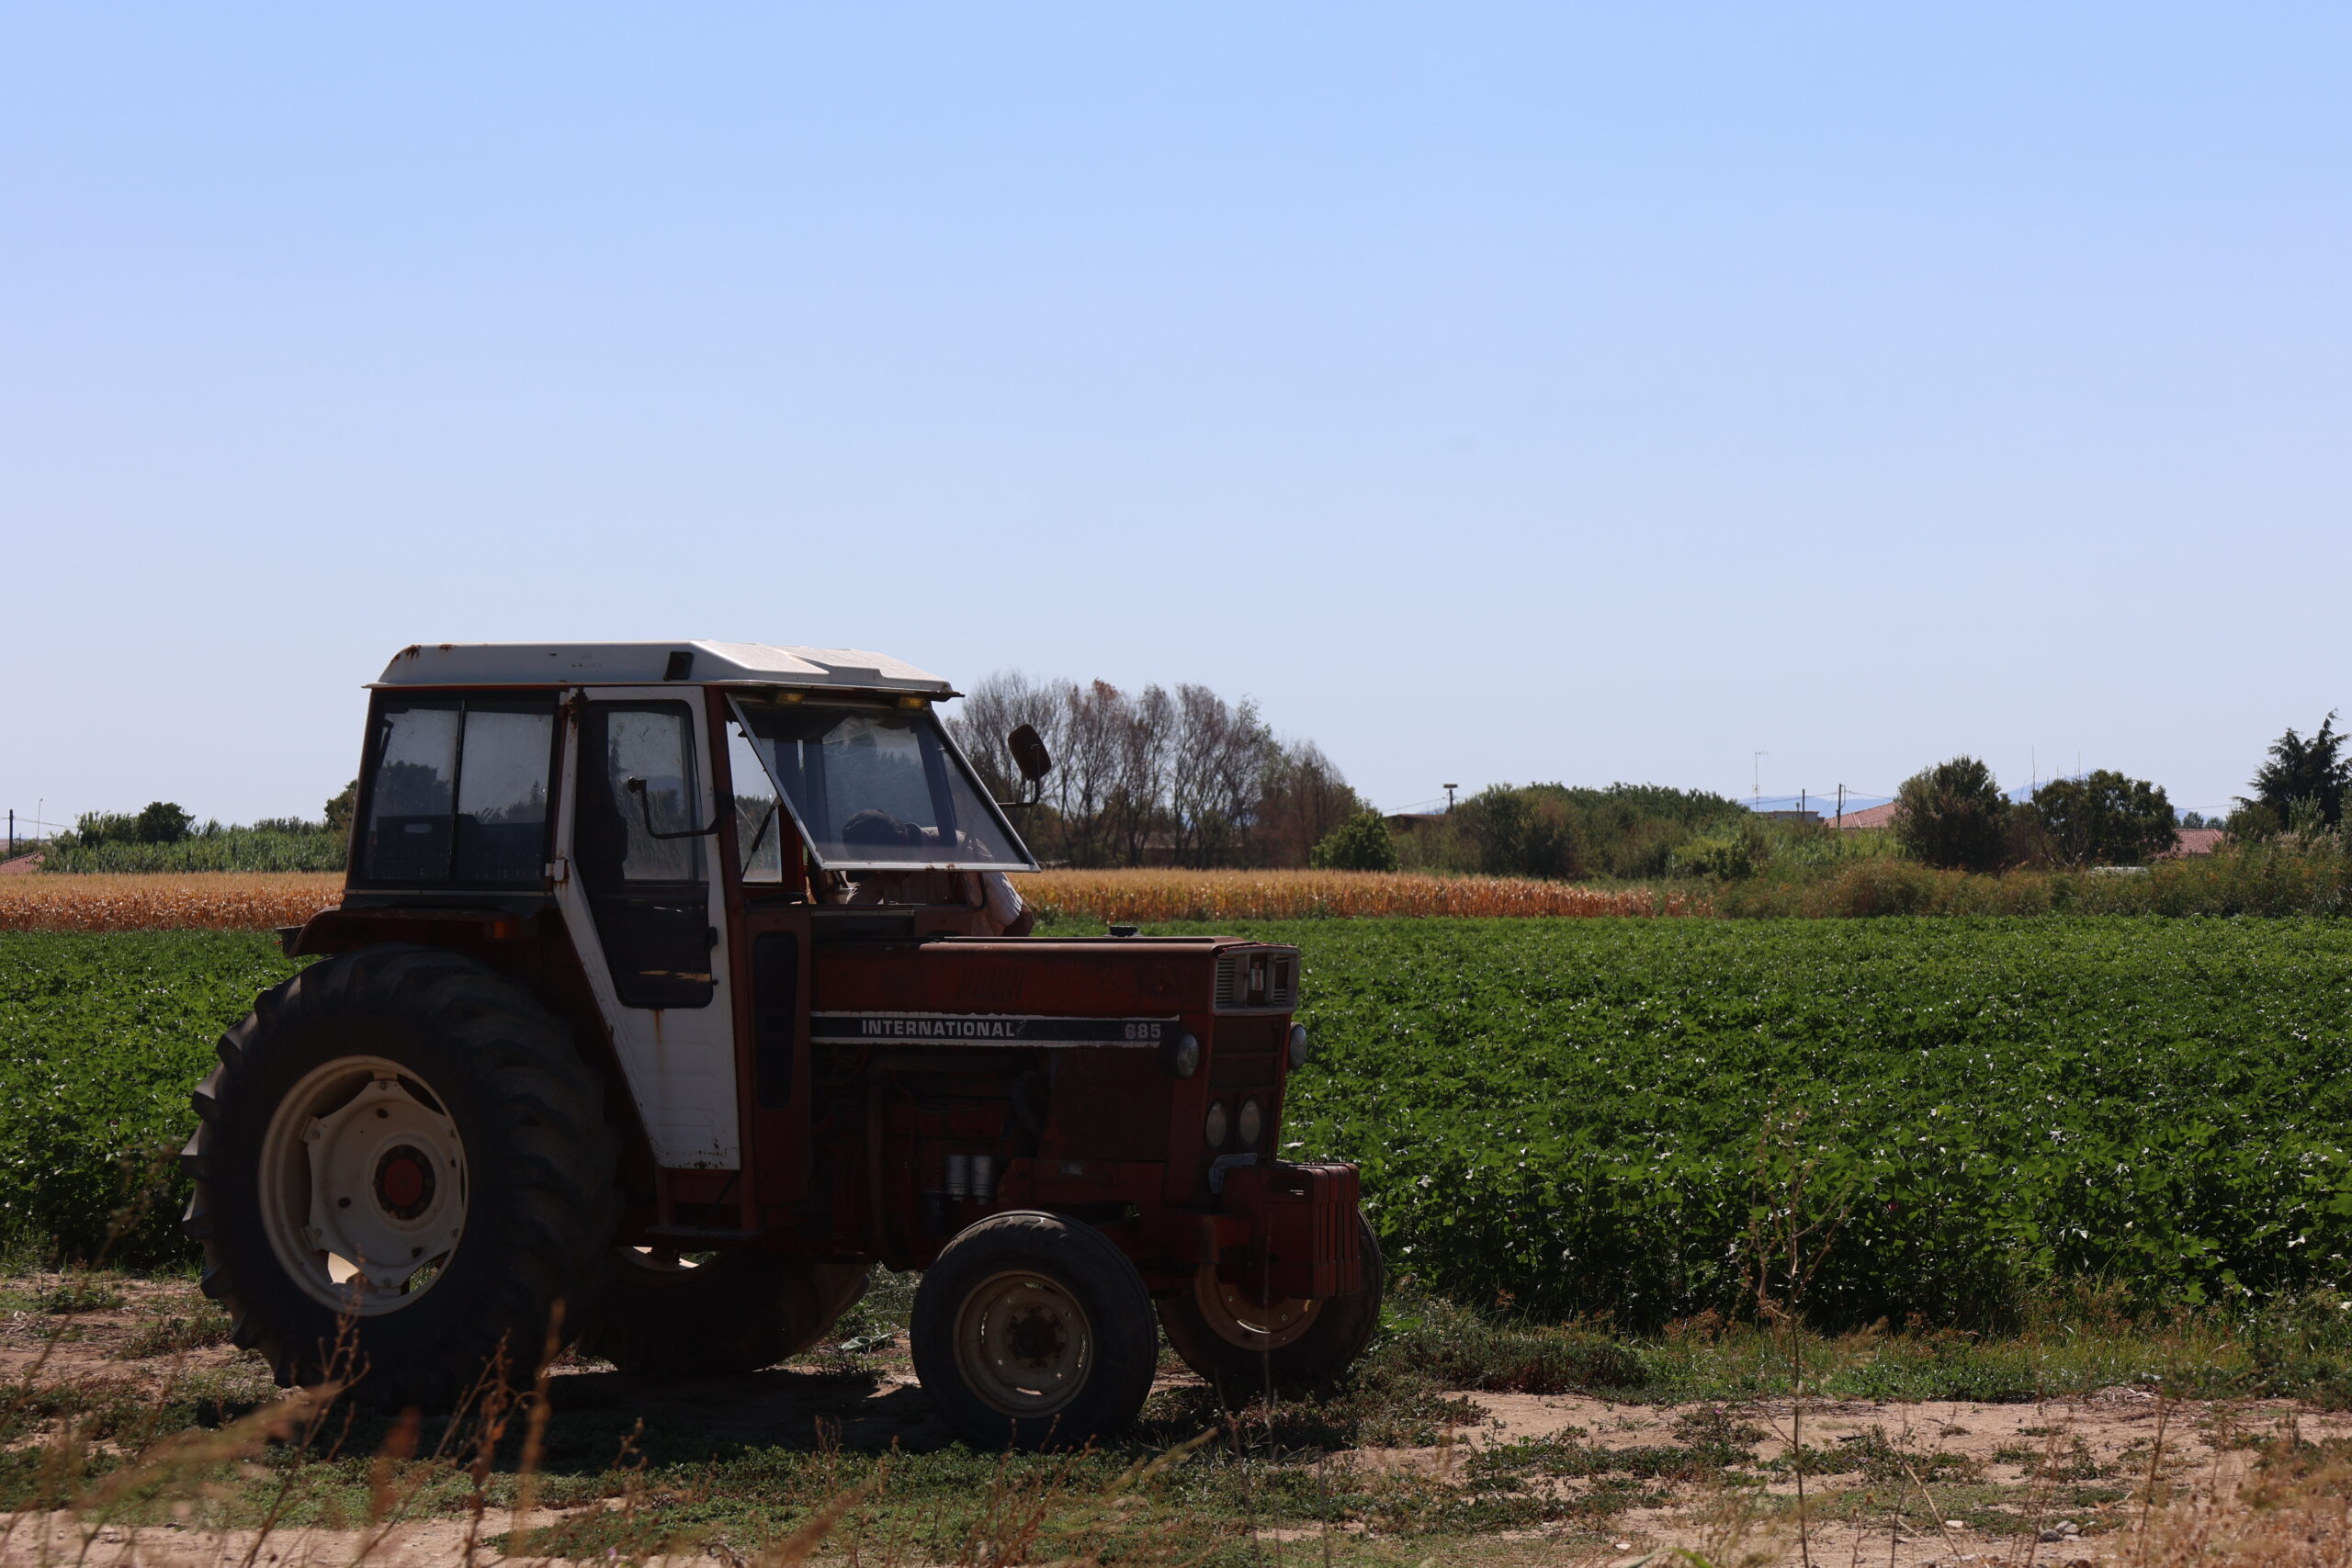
(877, 788)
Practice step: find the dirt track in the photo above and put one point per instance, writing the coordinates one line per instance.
(1956, 1452)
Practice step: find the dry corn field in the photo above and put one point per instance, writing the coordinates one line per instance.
(1145, 895)
(258, 901)
(218, 900)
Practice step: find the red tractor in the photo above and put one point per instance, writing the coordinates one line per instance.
(675, 986)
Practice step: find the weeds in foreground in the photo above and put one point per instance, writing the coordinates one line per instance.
(547, 1471)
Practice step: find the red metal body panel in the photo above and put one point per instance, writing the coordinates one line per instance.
(1304, 1241)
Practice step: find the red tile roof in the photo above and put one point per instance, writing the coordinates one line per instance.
(2193, 841)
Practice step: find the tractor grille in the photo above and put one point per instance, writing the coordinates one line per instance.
(1261, 979)
(1244, 1057)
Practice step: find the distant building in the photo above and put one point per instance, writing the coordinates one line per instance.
(2193, 841)
(1811, 818)
(1869, 816)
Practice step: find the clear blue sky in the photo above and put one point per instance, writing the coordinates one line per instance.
(1494, 393)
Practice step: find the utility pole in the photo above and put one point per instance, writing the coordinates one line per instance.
(1841, 808)
(1756, 785)
(1449, 798)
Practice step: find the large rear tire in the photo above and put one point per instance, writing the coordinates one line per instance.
(1241, 1346)
(660, 1315)
(402, 1172)
(1033, 1331)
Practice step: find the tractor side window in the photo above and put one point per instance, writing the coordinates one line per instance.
(414, 792)
(649, 892)
(760, 826)
(502, 792)
(458, 792)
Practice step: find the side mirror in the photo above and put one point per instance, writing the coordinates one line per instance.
(1029, 754)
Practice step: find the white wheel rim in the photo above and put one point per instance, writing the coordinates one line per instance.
(1239, 1321)
(1024, 1344)
(363, 1185)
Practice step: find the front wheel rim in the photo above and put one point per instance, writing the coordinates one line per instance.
(1251, 1325)
(363, 1185)
(1025, 1344)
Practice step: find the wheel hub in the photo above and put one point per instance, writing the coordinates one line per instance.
(404, 1181)
(364, 1185)
(1024, 1344)
(1036, 1338)
(1239, 1319)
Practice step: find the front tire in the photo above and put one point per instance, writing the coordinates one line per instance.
(737, 1312)
(1239, 1346)
(403, 1172)
(1033, 1331)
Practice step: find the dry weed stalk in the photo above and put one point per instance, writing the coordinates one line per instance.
(1780, 1238)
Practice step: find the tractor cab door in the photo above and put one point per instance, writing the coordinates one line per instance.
(644, 901)
(771, 939)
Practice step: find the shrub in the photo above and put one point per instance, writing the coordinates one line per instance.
(1953, 816)
(2103, 819)
(1731, 856)
(1527, 832)
(1359, 843)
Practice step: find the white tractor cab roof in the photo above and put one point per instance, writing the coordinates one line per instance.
(870, 776)
(651, 663)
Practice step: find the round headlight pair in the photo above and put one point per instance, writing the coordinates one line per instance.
(1251, 1123)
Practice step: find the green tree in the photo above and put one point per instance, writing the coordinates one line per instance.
(2104, 818)
(161, 822)
(340, 808)
(1954, 815)
(1359, 843)
(2311, 769)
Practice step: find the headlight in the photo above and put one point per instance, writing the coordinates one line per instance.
(1214, 1128)
(1252, 1122)
(1298, 1046)
(1181, 1055)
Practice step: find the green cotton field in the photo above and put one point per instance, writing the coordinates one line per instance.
(1599, 1118)
(1593, 1118)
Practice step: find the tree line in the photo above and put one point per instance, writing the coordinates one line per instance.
(1159, 776)
(1955, 815)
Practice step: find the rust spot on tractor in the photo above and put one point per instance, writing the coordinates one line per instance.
(414, 650)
